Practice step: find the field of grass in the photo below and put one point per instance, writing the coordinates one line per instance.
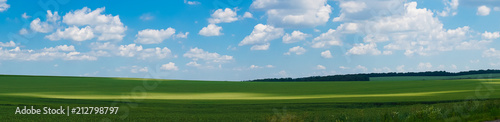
(175, 100)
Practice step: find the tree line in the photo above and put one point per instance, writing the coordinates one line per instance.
(366, 76)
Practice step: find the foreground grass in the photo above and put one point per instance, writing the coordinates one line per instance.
(171, 100)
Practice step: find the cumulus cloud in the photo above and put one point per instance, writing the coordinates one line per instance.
(296, 50)
(352, 6)
(294, 13)
(25, 16)
(182, 35)
(326, 54)
(413, 30)
(72, 33)
(106, 27)
(362, 49)
(193, 64)
(368, 9)
(151, 36)
(490, 35)
(296, 36)
(491, 53)
(450, 9)
(261, 36)
(199, 54)
(483, 10)
(23, 31)
(169, 66)
(329, 38)
(63, 48)
(8, 44)
(132, 50)
(247, 15)
(62, 52)
(3, 5)
(45, 26)
(211, 30)
(223, 16)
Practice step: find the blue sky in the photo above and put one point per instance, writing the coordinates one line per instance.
(243, 40)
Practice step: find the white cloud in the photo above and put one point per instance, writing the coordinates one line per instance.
(45, 26)
(352, 6)
(182, 35)
(348, 27)
(327, 39)
(223, 16)
(344, 68)
(211, 30)
(362, 68)
(254, 67)
(496, 8)
(415, 31)
(296, 36)
(362, 49)
(23, 31)
(191, 2)
(151, 36)
(62, 48)
(294, 13)
(473, 45)
(424, 66)
(320, 67)
(146, 17)
(135, 69)
(387, 52)
(261, 36)
(492, 52)
(258, 67)
(450, 9)
(102, 46)
(326, 54)
(63, 52)
(106, 27)
(297, 50)
(193, 64)
(3, 5)
(25, 16)
(483, 10)
(490, 35)
(247, 15)
(260, 47)
(8, 44)
(368, 9)
(199, 54)
(72, 33)
(132, 50)
(169, 66)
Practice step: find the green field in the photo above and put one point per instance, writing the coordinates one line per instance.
(176, 100)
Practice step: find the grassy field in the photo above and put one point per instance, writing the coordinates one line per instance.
(175, 100)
